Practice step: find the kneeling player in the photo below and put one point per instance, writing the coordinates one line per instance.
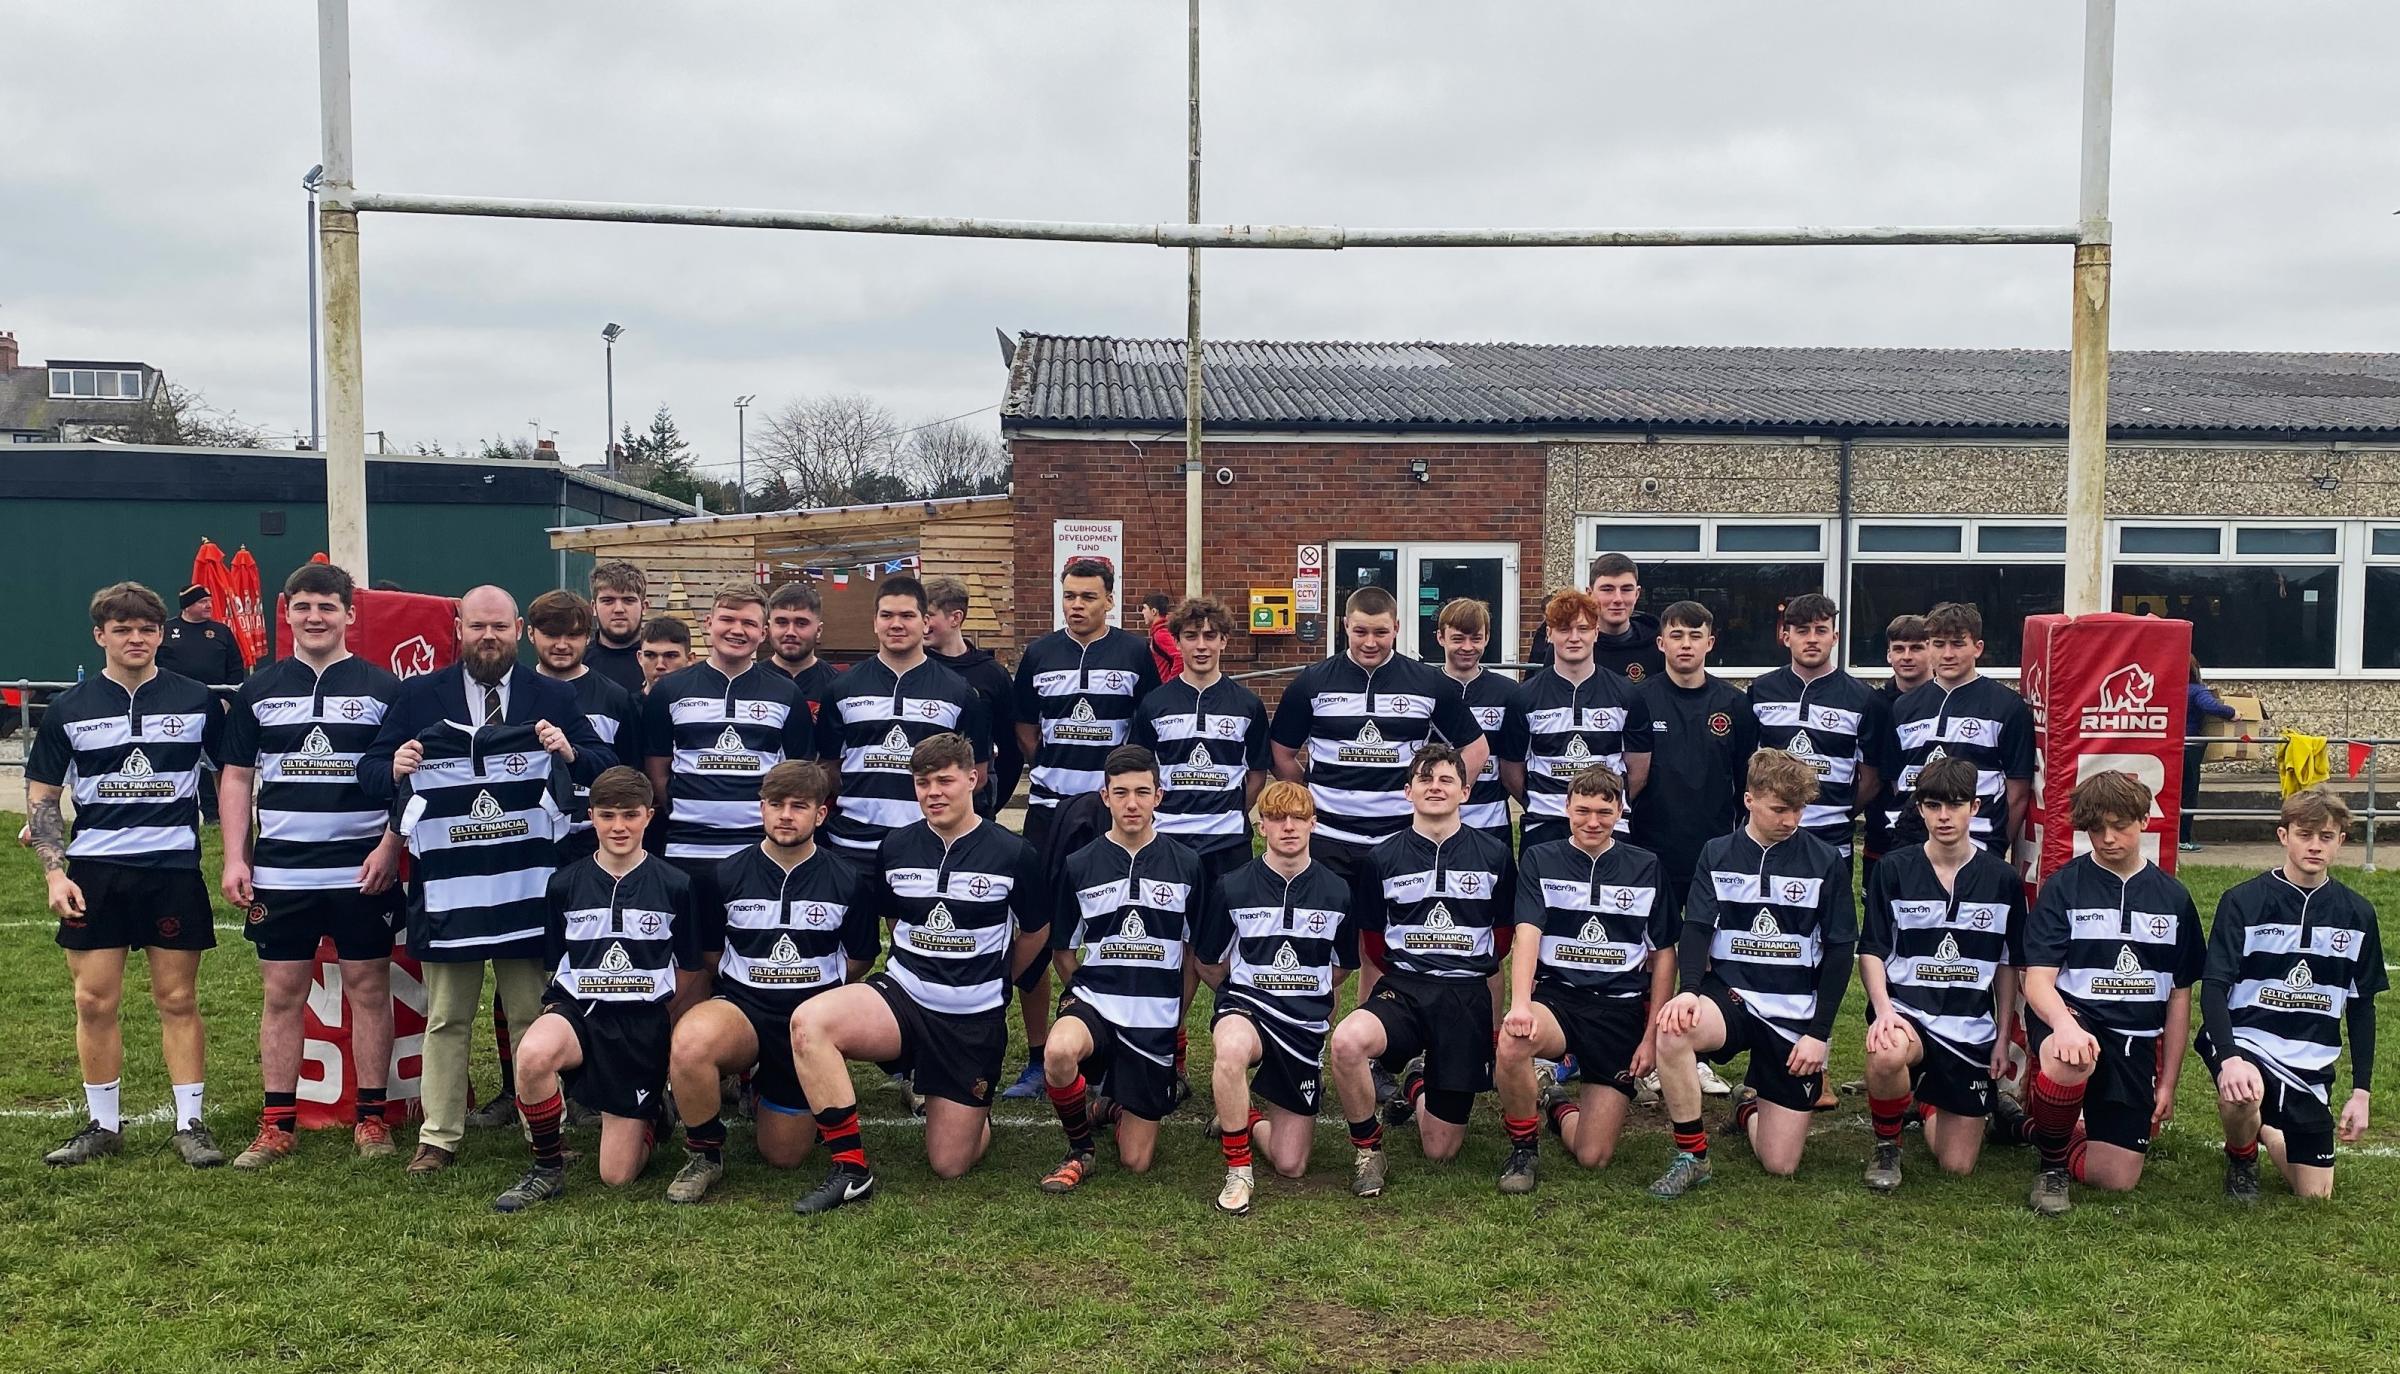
(621, 924)
(1435, 892)
(2112, 948)
(1944, 935)
(2292, 955)
(1595, 961)
(1768, 935)
(969, 906)
(1124, 919)
(1276, 938)
(798, 923)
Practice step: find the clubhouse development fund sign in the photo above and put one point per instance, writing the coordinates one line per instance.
(1101, 539)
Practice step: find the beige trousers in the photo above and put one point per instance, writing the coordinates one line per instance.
(453, 994)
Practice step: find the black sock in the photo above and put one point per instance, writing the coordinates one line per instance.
(1367, 1134)
(544, 1121)
(370, 1104)
(706, 1139)
(838, 1128)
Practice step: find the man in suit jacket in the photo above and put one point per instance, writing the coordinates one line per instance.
(486, 686)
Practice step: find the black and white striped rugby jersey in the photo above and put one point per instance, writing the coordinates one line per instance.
(1774, 913)
(791, 933)
(2292, 960)
(1208, 742)
(1487, 695)
(1941, 947)
(1601, 916)
(2121, 945)
(616, 717)
(620, 940)
(481, 819)
(720, 735)
(1979, 720)
(1082, 698)
(1358, 729)
(956, 908)
(869, 721)
(303, 731)
(130, 761)
(1438, 904)
(1832, 722)
(1284, 942)
(1558, 727)
(1132, 913)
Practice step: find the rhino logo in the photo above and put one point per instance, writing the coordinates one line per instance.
(412, 657)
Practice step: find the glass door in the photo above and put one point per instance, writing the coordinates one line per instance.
(1436, 574)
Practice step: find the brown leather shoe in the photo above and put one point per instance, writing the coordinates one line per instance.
(430, 1160)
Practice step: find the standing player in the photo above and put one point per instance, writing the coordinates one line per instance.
(2112, 949)
(1904, 653)
(2293, 958)
(946, 643)
(1627, 642)
(1568, 717)
(1595, 962)
(710, 732)
(324, 863)
(1210, 735)
(129, 742)
(1944, 937)
(666, 650)
(1123, 923)
(795, 619)
(799, 922)
(621, 927)
(1275, 939)
(618, 590)
(1438, 894)
(1823, 717)
(1463, 628)
(875, 714)
(970, 905)
(1964, 714)
(1765, 956)
(560, 625)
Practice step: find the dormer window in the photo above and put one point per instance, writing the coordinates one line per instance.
(86, 383)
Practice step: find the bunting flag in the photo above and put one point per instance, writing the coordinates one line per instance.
(2360, 755)
(841, 579)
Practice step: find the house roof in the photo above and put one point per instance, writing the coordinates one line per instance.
(1063, 381)
(26, 403)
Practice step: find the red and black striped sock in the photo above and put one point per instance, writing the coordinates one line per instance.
(706, 1138)
(1559, 1111)
(1889, 1115)
(1524, 1132)
(546, 1121)
(1412, 1087)
(2051, 1110)
(370, 1104)
(1367, 1134)
(838, 1128)
(1183, 1039)
(1691, 1137)
(281, 1113)
(1744, 1112)
(1237, 1147)
(1073, 1103)
(2077, 1144)
(2242, 1154)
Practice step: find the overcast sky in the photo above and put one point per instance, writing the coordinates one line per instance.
(150, 204)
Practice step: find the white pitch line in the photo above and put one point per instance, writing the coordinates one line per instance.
(52, 924)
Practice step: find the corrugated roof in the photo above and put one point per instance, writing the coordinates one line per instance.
(1091, 382)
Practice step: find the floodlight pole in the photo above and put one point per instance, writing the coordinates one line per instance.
(345, 442)
(2087, 357)
(1193, 486)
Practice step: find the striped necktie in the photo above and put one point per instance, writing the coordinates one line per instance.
(491, 703)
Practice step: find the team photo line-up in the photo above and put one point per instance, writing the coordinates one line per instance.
(683, 869)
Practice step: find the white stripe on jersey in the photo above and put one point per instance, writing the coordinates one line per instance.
(888, 812)
(101, 732)
(1353, 705)
(1343, 801)
(320, 770)
(131, 839)
(1749, 889)
(504, 937)
(1200, 822)
(489, 890)
(1560, 720)
(158, 787)
(1832, 720)
(341, 879)
(878, 706)
(321, 827)
(705, 849)
(710, 710)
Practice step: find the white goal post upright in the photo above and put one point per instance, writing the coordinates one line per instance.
(342, 203)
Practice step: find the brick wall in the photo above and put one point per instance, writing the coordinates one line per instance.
(1284, 493)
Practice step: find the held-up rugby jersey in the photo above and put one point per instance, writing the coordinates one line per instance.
(1082, 698)
(131, 762)
(720, 735)
(616, 718)
(2121, 945)
(1558, 728)
(956, 908)
(1283, 942)
(303, 732)
(1128, 914)
(1941, 947)
(2291, 961)
(481, 822)
(1601, 917)
(868, 723)
(1980, 720)
(1358, 730)
(1832, 723)
(620, 940)
(1440, 906)
(1774, 915)
(790, 933)
(1208, 741)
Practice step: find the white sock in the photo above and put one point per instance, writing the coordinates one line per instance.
(187, 1105)
(100, 1099)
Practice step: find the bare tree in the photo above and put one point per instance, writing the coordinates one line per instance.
(951, 459)
(831, 450)
(179, 415)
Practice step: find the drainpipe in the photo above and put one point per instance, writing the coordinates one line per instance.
(1841, 554)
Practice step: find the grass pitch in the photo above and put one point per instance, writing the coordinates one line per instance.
(328, 1263)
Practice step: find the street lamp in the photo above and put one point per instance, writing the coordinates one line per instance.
(741, 453)
(609, 334)
(310, 180)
